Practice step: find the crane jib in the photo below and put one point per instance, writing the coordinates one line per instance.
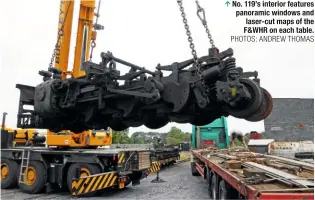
(84, 46)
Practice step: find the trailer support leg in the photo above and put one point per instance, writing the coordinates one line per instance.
(157, 179)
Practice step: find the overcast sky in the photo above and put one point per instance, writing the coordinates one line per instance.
(146, 32)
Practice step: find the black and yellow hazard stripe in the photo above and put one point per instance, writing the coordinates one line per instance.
(92, 183)
(156, 166)
(121, 157)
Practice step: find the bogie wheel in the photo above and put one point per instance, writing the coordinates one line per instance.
(85, 170)
(118, 126)
(8, 173)
(34, 178)
(201, 120)
(226, 191)
(156, 123)
(248, 108)
(265, 108)
(214, 187)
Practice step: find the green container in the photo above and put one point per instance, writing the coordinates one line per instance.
(213, 134)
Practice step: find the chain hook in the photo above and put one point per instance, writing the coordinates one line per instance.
(197, 65)
(95, 27)
(203, 17)
(200, 10)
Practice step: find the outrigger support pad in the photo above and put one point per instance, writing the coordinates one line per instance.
(157, 179)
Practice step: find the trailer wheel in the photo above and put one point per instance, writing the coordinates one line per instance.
(8, 173)
(214, 187)
(226, 191)
(194, 171)
(208, 178)
(128, 182)
(85, 170)
(34, 179)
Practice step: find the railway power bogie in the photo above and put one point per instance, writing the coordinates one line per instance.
(98, 100)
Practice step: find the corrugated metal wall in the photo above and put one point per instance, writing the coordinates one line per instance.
(292, 119)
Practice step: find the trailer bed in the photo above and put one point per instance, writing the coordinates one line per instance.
(100, 151)
(256, 176)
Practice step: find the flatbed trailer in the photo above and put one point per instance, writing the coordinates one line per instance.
(165, 156)
(82, 171)
(240, 174)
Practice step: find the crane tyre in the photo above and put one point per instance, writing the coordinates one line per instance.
(34, 179)
(8, 173)
(85, 170)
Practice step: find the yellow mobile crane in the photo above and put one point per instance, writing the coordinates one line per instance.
(83, 171)
(85, 39)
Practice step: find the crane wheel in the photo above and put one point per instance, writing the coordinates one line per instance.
(34, 178)
(8, 173)
(85, 170)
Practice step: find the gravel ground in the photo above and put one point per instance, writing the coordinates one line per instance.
(179, 184)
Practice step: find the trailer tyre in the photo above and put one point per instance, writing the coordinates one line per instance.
(194, 171)
(127, 182)
(214, 187)
(226, 191)
(86, 170)
(8, 173)
(34, 179)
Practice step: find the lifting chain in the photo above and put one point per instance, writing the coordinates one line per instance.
(192, 47)
(60, 34)
(96, 27)
(190, 40)
(200, 10)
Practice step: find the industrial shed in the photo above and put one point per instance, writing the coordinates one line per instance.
(291, 120)
(260, 145)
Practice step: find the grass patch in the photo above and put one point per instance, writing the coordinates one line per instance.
(184, 155)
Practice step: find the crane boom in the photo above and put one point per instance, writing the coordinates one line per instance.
(64, 32)
(84, 36)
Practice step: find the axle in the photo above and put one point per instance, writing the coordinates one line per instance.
(98, 100)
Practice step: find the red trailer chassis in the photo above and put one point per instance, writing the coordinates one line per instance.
(206, 167)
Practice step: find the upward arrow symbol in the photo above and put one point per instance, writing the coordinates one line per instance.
(227, 3)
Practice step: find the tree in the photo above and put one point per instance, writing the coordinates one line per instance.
(145, 137)
(171, 140)
(175, 136)
(121, 137)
